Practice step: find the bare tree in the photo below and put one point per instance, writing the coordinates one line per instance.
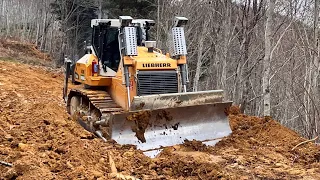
(267, 58)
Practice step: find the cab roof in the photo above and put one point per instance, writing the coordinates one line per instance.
(116, 22)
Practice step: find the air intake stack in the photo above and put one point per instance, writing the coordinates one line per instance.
(178, 48)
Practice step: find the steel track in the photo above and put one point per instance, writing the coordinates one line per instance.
(96, 99)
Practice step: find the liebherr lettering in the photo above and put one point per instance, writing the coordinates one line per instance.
(147, 65)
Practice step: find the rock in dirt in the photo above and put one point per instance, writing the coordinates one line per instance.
(23, 147)
(10, 174)
(8, 137)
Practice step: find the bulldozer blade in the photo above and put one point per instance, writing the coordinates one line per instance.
(150, 130)
(173, 100)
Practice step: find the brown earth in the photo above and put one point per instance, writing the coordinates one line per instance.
(141, 120)
(23, 52)
(42, 142)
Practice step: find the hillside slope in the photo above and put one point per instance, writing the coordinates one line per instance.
(42, 142)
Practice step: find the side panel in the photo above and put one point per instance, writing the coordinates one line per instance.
(84, 75)
(118, 89)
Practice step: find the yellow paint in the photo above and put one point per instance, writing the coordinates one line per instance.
(144, 61)
(118, 90)
(128, 60)
(85, 75)
(182, 60)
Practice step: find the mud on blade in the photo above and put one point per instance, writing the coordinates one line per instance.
(159, 128)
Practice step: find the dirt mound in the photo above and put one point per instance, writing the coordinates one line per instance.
(254, 132)
(257, 148)
(42, 142)
(25, 52)
(36, 134)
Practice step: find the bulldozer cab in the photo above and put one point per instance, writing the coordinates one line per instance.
(106, 45)
(105, 41)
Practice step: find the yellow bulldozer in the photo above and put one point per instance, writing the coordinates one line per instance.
(126, 89)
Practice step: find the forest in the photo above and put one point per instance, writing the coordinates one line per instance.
(263, 53)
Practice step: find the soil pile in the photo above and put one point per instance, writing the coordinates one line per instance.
(258, 148)
(36, 134)
(42, 142)
(23, 52)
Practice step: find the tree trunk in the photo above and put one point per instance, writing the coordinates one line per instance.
(267, 59)
(246, 74)
(199, 57)
(100, 10)
(7, 18)
(199, 63)
(315, 69)
(158, 21)
(226, 36)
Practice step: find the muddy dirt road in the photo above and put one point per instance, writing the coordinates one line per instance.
(42, 142)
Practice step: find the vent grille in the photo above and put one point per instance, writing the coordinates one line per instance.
(177, 42)
(157, 82)
(130, 41)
